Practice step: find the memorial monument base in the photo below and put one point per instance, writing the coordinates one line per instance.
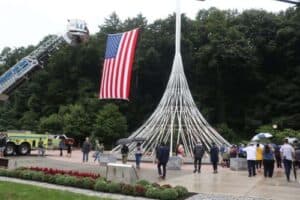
(174, 163)
(238, 164)
(121, 173)
(106, 158)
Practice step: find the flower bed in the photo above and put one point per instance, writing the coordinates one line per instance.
(64, 172)
(95, 182)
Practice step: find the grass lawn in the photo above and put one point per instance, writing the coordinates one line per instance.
(16, 191)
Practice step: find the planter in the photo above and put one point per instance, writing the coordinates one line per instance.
(237, 164)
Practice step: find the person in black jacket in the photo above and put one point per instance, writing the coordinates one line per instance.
(214, 157)
(162, 159)
(86, 148)
(124, 152)
(198, 154)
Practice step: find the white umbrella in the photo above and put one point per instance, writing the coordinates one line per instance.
(261, 136)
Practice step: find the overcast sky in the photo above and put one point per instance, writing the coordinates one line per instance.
(25, 22)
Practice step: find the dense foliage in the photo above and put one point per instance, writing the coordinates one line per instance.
(242, 68)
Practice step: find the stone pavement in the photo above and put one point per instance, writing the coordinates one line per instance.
(226, 184)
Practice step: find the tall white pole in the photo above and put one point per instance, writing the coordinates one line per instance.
(178, 28)
(177, 55)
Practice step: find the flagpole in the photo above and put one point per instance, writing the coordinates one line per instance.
(178, 28)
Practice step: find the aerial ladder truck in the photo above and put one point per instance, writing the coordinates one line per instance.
(77, 32)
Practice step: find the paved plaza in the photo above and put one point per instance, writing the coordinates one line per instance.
(227, 183)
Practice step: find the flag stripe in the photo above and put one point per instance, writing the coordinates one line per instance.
(117, 67)
(120, 59)
(121, 73)
(132, 52)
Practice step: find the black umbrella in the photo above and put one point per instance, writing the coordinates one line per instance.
(124, 141)
(138, 139)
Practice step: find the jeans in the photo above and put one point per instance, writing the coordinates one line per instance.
(97, 156)
(215, 166)
(278, 161)
(41, 151)
(287, 168)
(138, 157)
(159, 164)
(268, 168)
(258, 164)
(197, 164)
(61, 151)
(251, 167)
(85, 157)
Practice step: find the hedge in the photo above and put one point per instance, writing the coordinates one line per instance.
(142, 188)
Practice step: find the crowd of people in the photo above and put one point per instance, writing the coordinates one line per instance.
(264, 156)
(258, 156)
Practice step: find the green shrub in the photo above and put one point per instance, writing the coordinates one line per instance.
(13, 173)
(87, 183)
(37, 176)
(71, 181)
(153, 192)
(59, 179)
(26, 174)
(168, 194)
(51, 178)
(21, 168)
(127, 189)
(46, 178)
(139, 190)
(101, 185)
(114, 187)
(3, 172)
(182, 191)
(143, 182)
(101, 179)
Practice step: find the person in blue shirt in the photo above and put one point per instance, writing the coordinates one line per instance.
(268, 161)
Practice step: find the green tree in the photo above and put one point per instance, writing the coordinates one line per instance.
(110, 124)
(52, 124)
(76, 122)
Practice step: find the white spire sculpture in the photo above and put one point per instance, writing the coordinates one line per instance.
(176, 118)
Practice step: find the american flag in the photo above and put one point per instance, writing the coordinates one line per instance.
(116, 74)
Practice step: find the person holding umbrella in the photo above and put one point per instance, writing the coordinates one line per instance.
(124, 152)
(287, 154)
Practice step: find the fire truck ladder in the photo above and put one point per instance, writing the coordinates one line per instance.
(22, 69)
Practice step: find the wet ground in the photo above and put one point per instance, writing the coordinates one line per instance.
(226, 184)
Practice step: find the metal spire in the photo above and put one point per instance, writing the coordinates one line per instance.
(176, 118)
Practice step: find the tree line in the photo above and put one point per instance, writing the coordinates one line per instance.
(243, 71)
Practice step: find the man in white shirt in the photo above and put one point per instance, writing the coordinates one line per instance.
(287, 153)
(251, 158)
